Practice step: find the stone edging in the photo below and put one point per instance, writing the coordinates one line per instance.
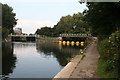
(69, 68)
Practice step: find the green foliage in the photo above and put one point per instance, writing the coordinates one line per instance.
(5, 32)
(71, 24)
(0, 15)
(47, 31)
(67, 24)
(8, 19)
(103, 18)
(102, 72)
(109, 50)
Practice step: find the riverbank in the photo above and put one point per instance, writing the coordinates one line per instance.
(81, 67)
(69, 68)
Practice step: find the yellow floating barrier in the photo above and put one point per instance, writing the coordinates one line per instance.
(60, 41)
(64, 42)
(72, 43)
(77, 43)
(68, 43)
(82, 43)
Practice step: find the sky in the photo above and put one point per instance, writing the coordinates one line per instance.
(34, 14)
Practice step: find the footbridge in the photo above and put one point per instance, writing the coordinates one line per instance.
(24, 37)
(75, 35)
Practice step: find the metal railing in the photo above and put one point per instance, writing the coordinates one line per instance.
(25, 35)
(75, 35)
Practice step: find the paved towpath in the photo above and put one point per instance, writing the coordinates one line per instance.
(87, 67)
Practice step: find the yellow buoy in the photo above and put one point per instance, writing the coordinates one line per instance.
(68, 43)
(82, 43)
(77, 43)
(60, 41)
(64, 42)
(72, 43)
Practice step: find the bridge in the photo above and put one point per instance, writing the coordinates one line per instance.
(75, 35)
(39, 37)
(24, 37)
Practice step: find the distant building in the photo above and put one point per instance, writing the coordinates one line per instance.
(18, 31)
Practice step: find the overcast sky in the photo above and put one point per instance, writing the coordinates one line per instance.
(34, 14)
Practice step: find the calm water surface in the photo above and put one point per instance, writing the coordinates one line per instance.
(35, 60)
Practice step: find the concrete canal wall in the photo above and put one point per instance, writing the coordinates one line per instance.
(67, 71)
(69, 68)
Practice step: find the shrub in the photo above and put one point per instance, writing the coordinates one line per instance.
(109, 50)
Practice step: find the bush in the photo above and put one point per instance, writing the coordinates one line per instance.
(109, 50)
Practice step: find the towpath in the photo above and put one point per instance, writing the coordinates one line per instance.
(87, 67)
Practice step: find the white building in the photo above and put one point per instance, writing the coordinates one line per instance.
(18, 31)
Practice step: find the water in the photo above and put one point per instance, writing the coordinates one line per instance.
(35, 60)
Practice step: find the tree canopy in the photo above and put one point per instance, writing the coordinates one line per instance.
(8, 20)
(47, 31)
(71, 24)
(103, 17)
(67, 24)
(104, 21)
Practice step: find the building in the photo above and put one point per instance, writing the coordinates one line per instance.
(18, 31)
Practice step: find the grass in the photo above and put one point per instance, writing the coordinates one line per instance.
(102, 72)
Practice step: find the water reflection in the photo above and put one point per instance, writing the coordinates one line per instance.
(60, 52)
(8, 58)
(35, 60)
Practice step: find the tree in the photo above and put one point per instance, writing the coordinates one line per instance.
(103, 17)
(47, 31)
(67, 23)
(8, 19)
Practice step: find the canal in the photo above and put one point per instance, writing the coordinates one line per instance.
(35, 60)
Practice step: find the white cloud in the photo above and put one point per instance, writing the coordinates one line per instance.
(30, 26)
